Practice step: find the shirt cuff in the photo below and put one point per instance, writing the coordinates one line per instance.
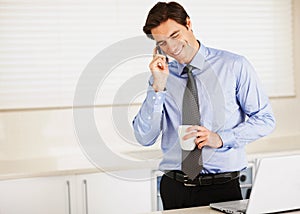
(228, 138)
(156, 99)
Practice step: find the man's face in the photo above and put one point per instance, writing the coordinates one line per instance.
(176, 40)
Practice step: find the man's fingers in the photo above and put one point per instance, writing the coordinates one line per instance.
(196, 128)
(201, 144)
(200, 139)
(158, 62)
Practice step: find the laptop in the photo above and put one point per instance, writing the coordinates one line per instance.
(276, 188)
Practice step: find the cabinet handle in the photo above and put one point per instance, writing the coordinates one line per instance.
(69, 196)
(86, 196)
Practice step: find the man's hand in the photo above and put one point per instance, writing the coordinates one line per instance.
(203, 137)
(160, 71)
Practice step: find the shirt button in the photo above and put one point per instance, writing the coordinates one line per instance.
(149, 118)
(153, 97)
(159, 97)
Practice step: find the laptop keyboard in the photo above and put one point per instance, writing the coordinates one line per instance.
(232, 206)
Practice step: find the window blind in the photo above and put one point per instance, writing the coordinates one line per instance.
(45, 45)
(259, 30)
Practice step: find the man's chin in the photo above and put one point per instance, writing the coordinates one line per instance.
(182, 60)
(179, 58)
(184, 57)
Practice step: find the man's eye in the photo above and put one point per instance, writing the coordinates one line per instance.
(161, 44)
(175, 36)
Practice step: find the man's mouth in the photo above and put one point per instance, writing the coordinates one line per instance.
(178, 51)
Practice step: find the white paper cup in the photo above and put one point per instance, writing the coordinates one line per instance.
(189, 144)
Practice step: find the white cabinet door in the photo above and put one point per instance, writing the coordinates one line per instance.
(115, 192)
(47, 195)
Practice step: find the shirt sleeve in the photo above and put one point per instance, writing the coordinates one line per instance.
(255, 104)
(147, 123)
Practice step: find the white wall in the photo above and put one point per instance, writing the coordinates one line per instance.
(287, 110)
(50, 133)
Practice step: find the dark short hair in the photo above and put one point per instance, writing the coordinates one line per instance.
(163, 11)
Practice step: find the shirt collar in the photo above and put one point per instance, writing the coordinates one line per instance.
(198, 60)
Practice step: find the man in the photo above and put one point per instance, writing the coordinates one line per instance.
(233, 111)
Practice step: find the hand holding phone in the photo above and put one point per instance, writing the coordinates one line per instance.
(160, 58)
(159, 51)
(159, 69)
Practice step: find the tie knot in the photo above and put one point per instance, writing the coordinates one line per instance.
(187, 69)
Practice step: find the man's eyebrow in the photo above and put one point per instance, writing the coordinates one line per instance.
(172, 34)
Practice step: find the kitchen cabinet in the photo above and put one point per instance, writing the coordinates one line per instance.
(46, 195)
(121, 192)
(118, 192)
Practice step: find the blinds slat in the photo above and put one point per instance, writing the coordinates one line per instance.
(45, 45)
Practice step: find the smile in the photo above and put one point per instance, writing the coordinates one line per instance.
(178, 52)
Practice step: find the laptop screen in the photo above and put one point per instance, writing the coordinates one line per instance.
(276, 185)
(276, 188)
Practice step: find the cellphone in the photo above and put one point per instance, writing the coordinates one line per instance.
(159, 50)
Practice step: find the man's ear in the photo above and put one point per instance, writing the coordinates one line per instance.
(188, 23)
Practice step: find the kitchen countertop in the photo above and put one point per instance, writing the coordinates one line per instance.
(198, 210)
(66, 165)
(193, 210)
(78, 163)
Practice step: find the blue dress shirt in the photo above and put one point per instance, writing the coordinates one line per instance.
(232, 103)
